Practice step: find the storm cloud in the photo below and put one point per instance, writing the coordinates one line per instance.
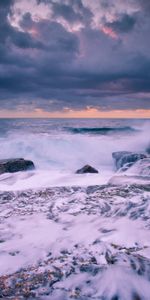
(74, 55)
(124, 23)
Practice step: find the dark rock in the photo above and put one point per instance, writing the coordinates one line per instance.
(141, 168)
(135, 296)
(86, 169)
(119, 154)
(148, 149)
(115, 297)
(15, 165)
(126, 167)
(2, 241)
(111, 260)
(127, 159)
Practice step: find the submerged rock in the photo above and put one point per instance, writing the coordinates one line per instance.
(127, 159)
(15, 165)
(86, 169)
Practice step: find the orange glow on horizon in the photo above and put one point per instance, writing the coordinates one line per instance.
(68, 113)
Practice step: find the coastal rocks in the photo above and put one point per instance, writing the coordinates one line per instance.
(28, 282)
(135, 166)
(100, 249)
(141, 168)
(15, 165)
(126, 158)
(142, 181)
(86, 169)
(148, 149)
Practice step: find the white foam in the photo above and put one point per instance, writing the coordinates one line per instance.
(58, 156)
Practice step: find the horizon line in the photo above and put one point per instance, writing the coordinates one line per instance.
(126, 118)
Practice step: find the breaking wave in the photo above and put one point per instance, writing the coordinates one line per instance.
(100, 130)
(58, 153)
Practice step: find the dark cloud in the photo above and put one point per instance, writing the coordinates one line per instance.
(69, 14)
(124, 23)
(45, 65)
(26, 22)
(73, 11)
(5, 8)
(10, 35)
(106, 4)
(145, 4)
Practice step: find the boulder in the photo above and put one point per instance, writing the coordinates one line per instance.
(86, 169)
(129, 180)
(140, 168)
(125, 158)
(119, 154)
(148, 149)
(125, 167)
(15, 165)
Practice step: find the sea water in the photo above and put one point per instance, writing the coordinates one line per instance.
(58, 147)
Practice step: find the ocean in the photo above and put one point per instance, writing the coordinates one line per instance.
(58, 147)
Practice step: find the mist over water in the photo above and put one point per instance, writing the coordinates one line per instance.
(59, 147)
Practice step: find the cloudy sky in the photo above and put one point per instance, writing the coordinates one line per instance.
(75, 58)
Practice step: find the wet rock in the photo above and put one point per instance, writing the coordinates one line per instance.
(15, 165)
(135, 296)
(126, 180)
(125, 158)
(110, 259)
(141, 168)
(75, 294)
(115, 297)
(89, 268)
(125, 167)
(76, 273)
(28, 283)
(119, 154)
(148, 149)
(86, 169)
(2, 241)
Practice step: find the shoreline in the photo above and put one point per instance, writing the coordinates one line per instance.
(67, 242)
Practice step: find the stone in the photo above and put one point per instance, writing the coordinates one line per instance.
(126, 158)
(119, 154)
(86, 169)
(129, 180)
(15, 165)
(141, 168)
(148, 149)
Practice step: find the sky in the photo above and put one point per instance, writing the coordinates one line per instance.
(75, 58)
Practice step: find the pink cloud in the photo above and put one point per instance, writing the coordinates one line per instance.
(109, 31)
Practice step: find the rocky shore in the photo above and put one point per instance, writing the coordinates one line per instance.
(79, 242)
(76, 243)
(15, 165)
